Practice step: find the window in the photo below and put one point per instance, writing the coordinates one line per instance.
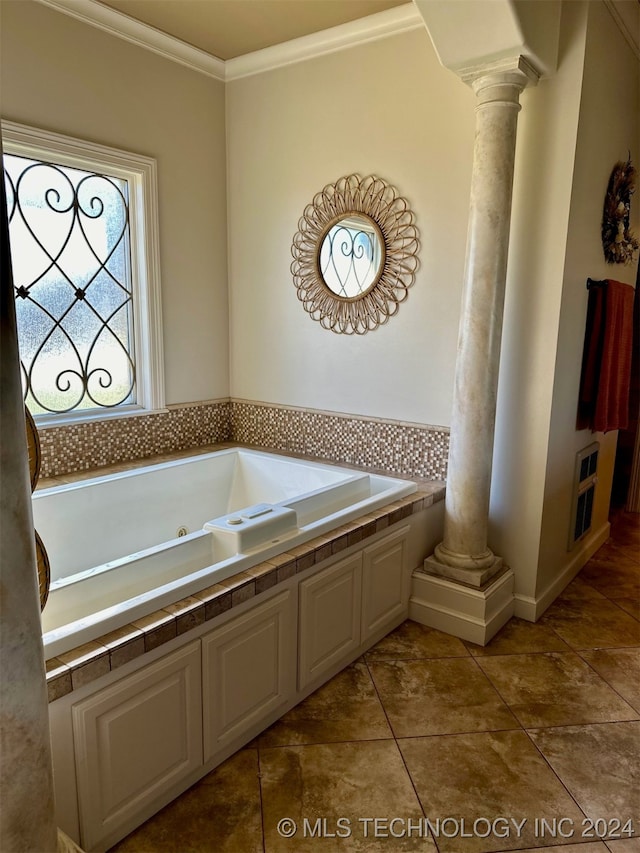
(84, 249)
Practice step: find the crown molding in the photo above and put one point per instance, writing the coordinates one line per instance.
(372, 28)
(631, 37)
(142, 35)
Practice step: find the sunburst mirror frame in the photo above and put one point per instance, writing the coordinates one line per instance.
(393, 219)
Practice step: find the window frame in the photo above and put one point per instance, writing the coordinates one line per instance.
(141, 174)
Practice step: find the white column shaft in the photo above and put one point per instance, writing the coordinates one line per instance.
(476, 380)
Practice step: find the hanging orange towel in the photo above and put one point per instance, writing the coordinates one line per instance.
(606, 363)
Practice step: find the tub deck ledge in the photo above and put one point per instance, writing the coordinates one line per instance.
(83, 664)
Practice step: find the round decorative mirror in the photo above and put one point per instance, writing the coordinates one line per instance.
(355, 254)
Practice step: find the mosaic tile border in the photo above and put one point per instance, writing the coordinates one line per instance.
(71, 670)
(94, 444)
(412, 450)
(392, 446)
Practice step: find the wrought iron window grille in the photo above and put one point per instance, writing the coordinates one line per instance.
(70, 234)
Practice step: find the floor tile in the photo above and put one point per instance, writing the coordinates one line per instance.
(482, 777)
(554, 689)
(328, 782)
(347, 708)
(221, 813)
(629, 539)
(411, 640)
(625, 541)
(625, 845)
(620, 668)
(428, 697)
(599, 765)
(625, 526)
(627, 536)
(519, 637)
(616, 578)
(579, 588)
(588, 847)
(592, 624)
(629, 605)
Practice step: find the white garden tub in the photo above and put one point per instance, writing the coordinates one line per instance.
(124, 545)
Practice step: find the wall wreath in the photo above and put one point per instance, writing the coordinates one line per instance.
(618, 242)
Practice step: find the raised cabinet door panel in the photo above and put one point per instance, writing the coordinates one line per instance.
(385, 582)
(248, 670)
(329, 618)
(136, 739)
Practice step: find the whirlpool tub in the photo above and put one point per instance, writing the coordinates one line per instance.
(126, 544)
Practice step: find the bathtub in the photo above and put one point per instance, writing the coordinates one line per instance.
(124, 545)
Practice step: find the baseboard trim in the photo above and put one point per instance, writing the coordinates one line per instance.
(475, 615)
(530, 608)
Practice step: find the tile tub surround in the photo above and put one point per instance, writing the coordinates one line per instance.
(415, 450)
(397, 447)
(93, 444)
(92, 660)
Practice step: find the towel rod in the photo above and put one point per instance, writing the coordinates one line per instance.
(593, 283)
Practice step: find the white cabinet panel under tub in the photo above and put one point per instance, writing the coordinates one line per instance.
(126, 749)
(385, 583)
(351, 603)
(329, 618)
(248, 670)
(135, 739)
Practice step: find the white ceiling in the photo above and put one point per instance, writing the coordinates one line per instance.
(230, 28)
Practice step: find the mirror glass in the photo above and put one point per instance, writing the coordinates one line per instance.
(351, 256)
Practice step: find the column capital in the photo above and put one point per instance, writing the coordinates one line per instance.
(512, 73)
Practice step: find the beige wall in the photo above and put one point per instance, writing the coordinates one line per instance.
(609, 129)
(61, 75)
(540, 220)
(574, 126)
(389, 109)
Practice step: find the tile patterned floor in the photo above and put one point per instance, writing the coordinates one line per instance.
(527, 744)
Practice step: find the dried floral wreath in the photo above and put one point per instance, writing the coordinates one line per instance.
(618, 242)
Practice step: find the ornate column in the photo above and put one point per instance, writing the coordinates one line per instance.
(464, 554)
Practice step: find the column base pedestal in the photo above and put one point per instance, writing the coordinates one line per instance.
(475, 576)
(465, 611)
